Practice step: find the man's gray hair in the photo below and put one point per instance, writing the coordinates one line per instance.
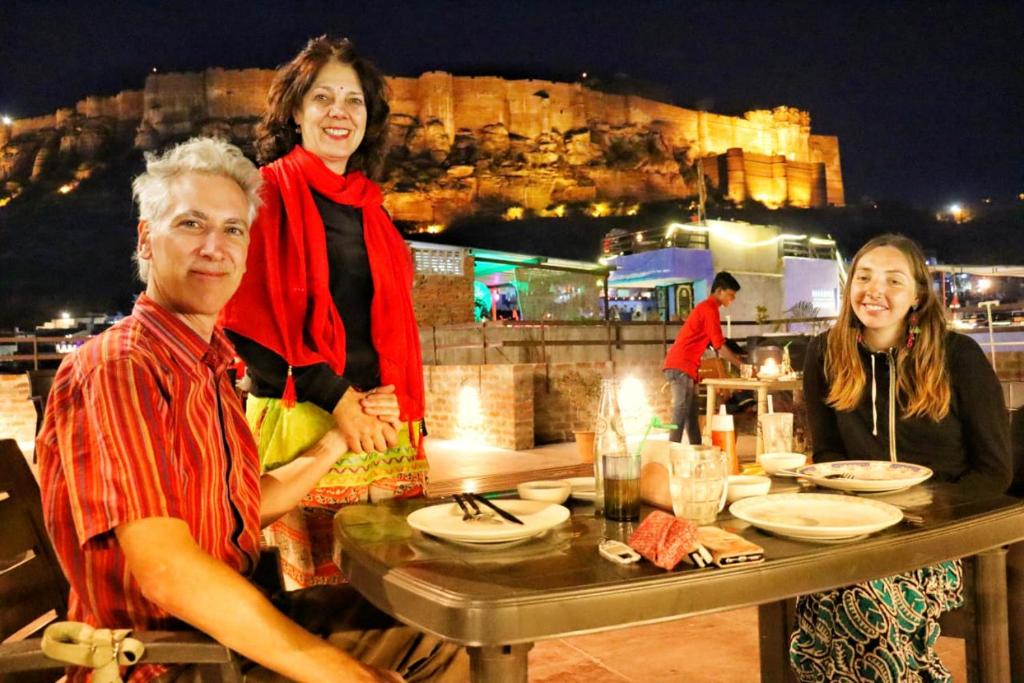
(212, 156)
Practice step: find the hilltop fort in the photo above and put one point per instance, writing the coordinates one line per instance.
(460, 145)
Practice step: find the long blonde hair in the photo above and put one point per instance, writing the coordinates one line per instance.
(922, 378)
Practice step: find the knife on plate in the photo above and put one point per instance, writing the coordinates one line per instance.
(503, 513)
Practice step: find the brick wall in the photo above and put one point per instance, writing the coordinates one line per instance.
(554, 420)
(502, 414)
(444, 299)
(17, 414)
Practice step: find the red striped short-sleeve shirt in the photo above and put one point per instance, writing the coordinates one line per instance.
(142, 421)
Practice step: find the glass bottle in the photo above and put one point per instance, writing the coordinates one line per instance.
(609, 436)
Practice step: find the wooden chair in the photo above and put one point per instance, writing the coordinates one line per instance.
(39, 384)
(33, 592)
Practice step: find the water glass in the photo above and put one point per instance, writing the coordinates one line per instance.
(776, 432)
(698, 479)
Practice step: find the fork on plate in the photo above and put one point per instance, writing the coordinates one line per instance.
(471, 512)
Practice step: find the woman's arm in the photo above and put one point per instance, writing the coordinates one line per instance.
(983, 417)
(828, 443)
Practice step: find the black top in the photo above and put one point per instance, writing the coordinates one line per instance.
(971, 445)
(352, 291)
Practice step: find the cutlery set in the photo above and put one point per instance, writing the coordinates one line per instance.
(471, 511)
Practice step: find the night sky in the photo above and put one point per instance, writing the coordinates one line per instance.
(926, 98)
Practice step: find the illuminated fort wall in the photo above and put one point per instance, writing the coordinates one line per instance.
(779, 159)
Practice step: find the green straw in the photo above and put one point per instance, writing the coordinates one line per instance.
(655, 423)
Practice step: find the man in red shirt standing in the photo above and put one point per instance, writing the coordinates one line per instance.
(702, 327)
(150, 478)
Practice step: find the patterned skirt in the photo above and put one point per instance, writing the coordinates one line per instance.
(883, 630)
(305, 535)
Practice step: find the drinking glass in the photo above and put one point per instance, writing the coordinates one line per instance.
(776, 432)
(698, 478)
(621, 487)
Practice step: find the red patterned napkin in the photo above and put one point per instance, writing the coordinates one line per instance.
(666, 541)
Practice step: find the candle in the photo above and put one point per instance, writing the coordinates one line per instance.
(769, 370)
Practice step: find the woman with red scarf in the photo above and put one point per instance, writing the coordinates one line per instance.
(324, 317)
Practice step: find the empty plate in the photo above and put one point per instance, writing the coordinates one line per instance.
(816, 516)
(445, 521)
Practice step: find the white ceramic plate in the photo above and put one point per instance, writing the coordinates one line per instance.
(868, 475)
(445, 521)
(583, 488)
(816, 516)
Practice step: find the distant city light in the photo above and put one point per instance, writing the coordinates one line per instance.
(956, 211)
(7, 120)
(64, 315)
(68, 188)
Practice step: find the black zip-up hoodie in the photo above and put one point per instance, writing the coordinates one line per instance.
(971, 445)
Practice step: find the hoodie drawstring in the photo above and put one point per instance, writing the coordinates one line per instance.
(890, 358)
(874, 399)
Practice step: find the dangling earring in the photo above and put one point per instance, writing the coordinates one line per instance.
(913, 328)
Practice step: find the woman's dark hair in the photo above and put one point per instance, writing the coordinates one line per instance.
(276, 132)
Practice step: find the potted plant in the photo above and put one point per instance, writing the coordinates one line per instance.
(581, 391)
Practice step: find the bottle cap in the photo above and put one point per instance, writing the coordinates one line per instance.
(722, 421)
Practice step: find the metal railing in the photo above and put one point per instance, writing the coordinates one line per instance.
(36, 349)
(22, 343)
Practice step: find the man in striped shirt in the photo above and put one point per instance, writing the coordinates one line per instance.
(150, 477)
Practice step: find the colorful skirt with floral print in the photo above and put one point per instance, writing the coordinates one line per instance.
(304, 537)
(883, 630)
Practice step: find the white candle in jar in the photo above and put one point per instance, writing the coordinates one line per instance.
(769, 369)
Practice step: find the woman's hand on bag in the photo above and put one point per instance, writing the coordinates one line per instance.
(362, 432)
(382, 403)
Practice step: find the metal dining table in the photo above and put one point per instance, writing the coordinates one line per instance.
(497, 601)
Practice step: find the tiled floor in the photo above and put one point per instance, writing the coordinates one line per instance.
(716, 648)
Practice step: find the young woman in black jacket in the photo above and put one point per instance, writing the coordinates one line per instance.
(890, 382)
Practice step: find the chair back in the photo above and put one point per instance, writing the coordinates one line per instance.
(1017, 450)
(33, 590)
(39, 384)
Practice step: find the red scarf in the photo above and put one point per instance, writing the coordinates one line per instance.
(285, 302)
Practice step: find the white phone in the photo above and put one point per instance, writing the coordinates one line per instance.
(618, 552)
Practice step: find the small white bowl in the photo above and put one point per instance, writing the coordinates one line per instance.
(773, 462)
(547, 490)
(745, 486)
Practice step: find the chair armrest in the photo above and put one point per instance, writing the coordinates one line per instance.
(162, 647)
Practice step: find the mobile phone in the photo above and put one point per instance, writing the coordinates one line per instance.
(618, 552)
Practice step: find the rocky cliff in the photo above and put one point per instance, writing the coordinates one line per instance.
(463, 145)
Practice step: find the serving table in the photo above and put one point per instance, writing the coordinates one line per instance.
(760, 386)
(498, 601)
